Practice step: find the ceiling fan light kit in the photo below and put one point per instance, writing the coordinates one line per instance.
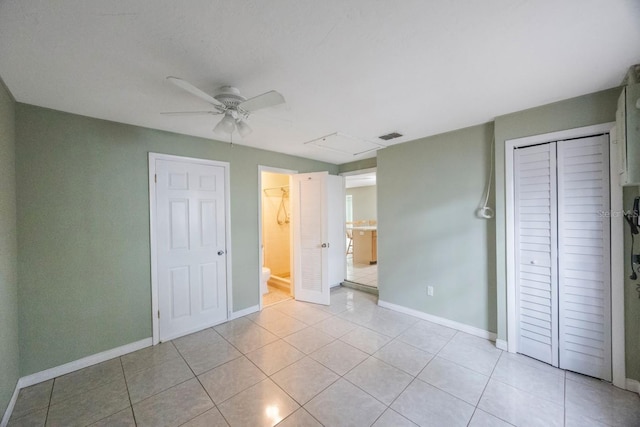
(243, 128)
(228, 101)
(225, 126)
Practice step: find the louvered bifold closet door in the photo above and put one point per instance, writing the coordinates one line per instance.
(536, 252)
(584, 256)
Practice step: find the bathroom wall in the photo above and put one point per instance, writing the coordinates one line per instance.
(275, 236)
(364, 202)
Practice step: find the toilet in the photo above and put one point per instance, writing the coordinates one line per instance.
(264, 277)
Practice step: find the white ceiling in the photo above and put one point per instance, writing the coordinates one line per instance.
(360, 67)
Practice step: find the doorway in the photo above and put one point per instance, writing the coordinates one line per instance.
(313, 205)
(361, 228)
(275, 236)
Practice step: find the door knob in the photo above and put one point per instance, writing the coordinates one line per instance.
(325, 245)
(220, 252)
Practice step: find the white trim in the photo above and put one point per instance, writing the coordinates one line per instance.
(194, 330)
(617, 268)
(155, 325)
(353, 173)
(152, 232)
(501, 344)
(617, 298)
(510, 222)
(10, 406)
(439, 320)
(561, 135)
(632, 385)
(76, 365)
(85, 362)
(289, 172)
(244, 312)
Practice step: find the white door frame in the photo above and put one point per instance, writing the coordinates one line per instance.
(353, 173)
(289, 172)
(617, 263)
(152, 232)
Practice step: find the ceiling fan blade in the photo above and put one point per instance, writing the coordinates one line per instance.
(269, 99)
(190, 113)
(184, 85)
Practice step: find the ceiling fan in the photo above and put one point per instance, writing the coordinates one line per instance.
(228, 101)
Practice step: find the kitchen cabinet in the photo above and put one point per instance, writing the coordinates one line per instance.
(365, 245)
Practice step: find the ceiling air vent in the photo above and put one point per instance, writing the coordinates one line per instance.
(391, 135)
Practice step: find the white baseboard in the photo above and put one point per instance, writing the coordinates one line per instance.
(57, 371)
(472, 330)
(244, 312)
(10, 406)
(502, 345)
(633, 385)
(85, 362)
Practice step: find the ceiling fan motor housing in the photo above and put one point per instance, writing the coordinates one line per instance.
(229, 96)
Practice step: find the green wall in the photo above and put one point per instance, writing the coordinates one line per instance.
(364, 201)
(358, 165)
(83, 229)
(428, 233)
(9, 369)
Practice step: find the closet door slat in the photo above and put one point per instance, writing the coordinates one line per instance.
(584, 256)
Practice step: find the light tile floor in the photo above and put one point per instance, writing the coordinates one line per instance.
(364, 274)
(274, 296)
(348, 364)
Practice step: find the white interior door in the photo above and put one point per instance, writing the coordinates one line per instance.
(191, 246)
(337, 229)
(536, 252)
(310, 228)
(563, 254)
(584, 256)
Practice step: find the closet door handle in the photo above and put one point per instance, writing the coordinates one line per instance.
(220, 252)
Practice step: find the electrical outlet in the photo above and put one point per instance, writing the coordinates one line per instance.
(430, 291)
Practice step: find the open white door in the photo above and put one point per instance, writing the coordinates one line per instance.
(315, 221)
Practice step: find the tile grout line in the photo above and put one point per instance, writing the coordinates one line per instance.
(333, 382)
(269, 377)
(199, 382)
(485, 389)
(126, 384)
(46, 418)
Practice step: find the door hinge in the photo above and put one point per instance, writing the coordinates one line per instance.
(158, 314)
(155, 178)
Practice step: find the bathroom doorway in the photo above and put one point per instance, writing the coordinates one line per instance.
(362, 228)
(275, 236)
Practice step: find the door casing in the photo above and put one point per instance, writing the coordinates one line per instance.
(617, 279)
(153, 229)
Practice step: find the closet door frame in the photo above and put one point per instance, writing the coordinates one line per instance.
(617, 278)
